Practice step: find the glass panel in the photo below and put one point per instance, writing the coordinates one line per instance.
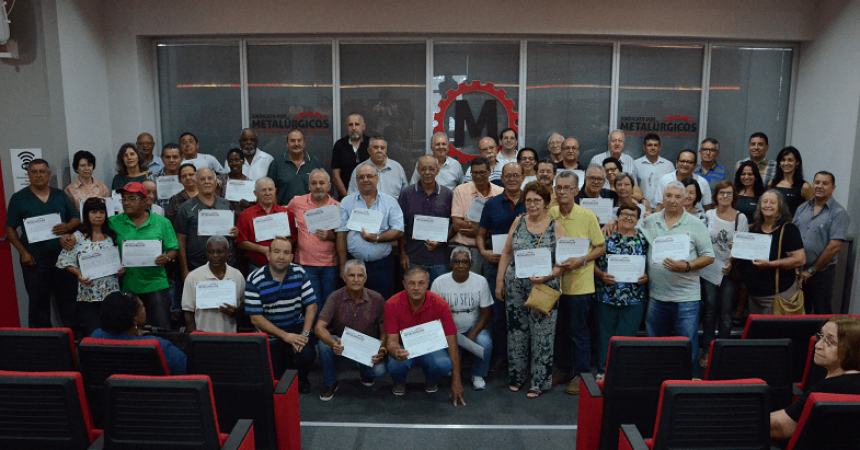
(569, 93)
(474, 115)
(391, 96)
(660, 92)
(749, 92)
(289, 86)
(199, 92)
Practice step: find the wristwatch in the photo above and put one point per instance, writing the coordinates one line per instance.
(688, 266)
(306, 333)
(811, 270)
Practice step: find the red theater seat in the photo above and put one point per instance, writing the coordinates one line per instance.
(829, 421)
(812, 373)
(38, 350)
(768, 359)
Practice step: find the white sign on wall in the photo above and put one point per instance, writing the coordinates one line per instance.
(21, 158)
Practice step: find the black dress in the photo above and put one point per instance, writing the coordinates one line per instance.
(746, 205)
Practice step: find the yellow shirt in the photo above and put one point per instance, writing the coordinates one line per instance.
(580, 223)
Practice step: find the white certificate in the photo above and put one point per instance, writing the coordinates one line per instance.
(535, 262)
(157, 209)
(675, 246)
(423, 339)
(568, 247)
(140, 253)
(369, 219)
(499, 241)
(39, 228)
(325, 218)
(475, 209)
(267, 227)
(102, 263)
(214, 222)
(713, 272)
(470, 345)
(626, 268)
(211, 294)
(168, 186)
(237, 190)
(116, 197)
(110, 210)
(751, 246)
(601, 207)
(359, 347)
(429, 228)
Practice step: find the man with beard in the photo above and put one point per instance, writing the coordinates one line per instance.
(291, 171)
(348, 152)
(256, 163)
(390, 175)
(487, 149)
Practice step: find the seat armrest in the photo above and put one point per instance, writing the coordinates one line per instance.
(591, 385)
(795, 390)
(242, 436)
(99, 444)
(629, 438)
(286, 381)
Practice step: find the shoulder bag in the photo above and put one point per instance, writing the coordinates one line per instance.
(543, 298)
(783, 306)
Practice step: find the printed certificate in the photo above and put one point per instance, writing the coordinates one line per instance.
(214, 222)
(369, 219)
(102, 263)
(470, 345)
(713, 272)
(751, 246)
(359, 347)
(429, 228)
(267, 227)
(40, 228)
(325, 218)
(601, 207)
(423, 339)
(626, 268)
(238, 190)
(168, 186)
(499, 241)
(535, 262)
(674, 246)
(140, 253)
(475, 209)
(211, 294)
(568, 247)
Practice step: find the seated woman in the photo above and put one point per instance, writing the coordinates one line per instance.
(122, 315)
(838, 351)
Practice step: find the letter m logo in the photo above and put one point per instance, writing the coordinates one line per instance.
(463, 119)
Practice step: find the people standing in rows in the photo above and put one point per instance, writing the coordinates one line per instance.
(348, 152)
(223, 318)
(595, 180)
(789, 179)
(291, 171)
(616, 150)
(683, 169)
(449, 173)
(130, 166)
(254, 162)
(749, 186)
(146, 144)
(391, 179)
(709, 168)
(758, 147)
(509, 140)
(172, 160)
(650, 168)
(487, 150)
(190, 147)
(85, 186)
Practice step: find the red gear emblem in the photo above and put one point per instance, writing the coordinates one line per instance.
(476, 86)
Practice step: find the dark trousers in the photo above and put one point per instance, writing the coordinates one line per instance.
(380, 276)
(572, 337)
(45, 279)
(157, 304)
(284, 357)
(500, 321)
(88, 316)
(818, 292)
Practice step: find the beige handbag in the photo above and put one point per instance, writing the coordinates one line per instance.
(542, 298)
(783, 306)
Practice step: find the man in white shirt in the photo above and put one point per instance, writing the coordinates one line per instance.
(450, 172)
(189, 145)
(616, 150)
(509, 151)
(256, 163)
(468, 296)
(223, 318)
(685, 165)
(392, 177)
(651, 167)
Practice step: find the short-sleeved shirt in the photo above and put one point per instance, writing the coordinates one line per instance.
(245, 224)
(392, 219)
(156, 165)
(414, 201)
(450, 174)
(259, 166)
(767, 169)
(365, 316)
(186, 223)
(664, 284)
(203, 161)
(622, 294)
(311, 251)
(100, 287)
(211, 320)
(290, 180)
(399, 314)
(579, 223)
(121, 180)
(462, 200)
(831, 223)
(346, 158)
(465, 299)
(848, 384)
(280, 302)
(392, 178)
(78, 191)
(174, 204)
(715, 175)
(141, 280)
(762, 282)
(24, 204)
(498, 216)
(670, 177)
(648, 174)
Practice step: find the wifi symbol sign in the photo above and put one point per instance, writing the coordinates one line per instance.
(26, 157)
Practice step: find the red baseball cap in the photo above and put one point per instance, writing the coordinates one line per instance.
(133, 188)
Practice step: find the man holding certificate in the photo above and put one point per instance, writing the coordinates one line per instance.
(43, 213)
(208, 302)
(679, 245)
(172, 159)
(468, 204)
(426, 208)
(597, 199)
(418, 314)
(351, 325)
(256, 250)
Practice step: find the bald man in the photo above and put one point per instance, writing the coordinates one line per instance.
(146, 144)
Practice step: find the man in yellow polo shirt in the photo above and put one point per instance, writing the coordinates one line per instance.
(572, 338)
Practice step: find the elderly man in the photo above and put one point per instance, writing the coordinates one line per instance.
(572, 337)
(616, 150)
(41, 276)
(291, 171)
(709, 169)
(570, 159)
(146, 144)
(360, 309)
(465, 230)
(674, 283)
(496, 220)
(412, 307)
(317, 251)
(449, 173)
(468, 296)
(595, 179)
(255, 250)
(651, 167)
(487, 150)
(553, 147)
(758, 146)
(256, 163)
(823, 225)
(373, 247)
(281, 303)
(509, 139)
(152, 197)
(222, 319)
(392, 178)
(172, 160)
(684, 169)
(348, 152)
(192, 245)
(425, 198)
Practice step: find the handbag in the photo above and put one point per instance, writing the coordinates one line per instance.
(790, 306)
(542, 298)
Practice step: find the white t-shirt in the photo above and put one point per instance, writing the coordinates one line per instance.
(465, 299)
(722, 232)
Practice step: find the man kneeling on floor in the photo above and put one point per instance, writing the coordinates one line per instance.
(410, 308)
(357, 308)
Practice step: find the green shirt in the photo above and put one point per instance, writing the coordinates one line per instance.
(24, 204)
(290, 180)
(141, 280)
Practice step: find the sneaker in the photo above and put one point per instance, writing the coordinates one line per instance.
(478, 383)
(367, 381)
(599, 377)
(398, 389)
(430, 387)
(304, 386)
(561, 377)
(573, 387)
(327, 394)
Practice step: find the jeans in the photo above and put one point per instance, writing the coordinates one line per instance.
(481, 366)
(323, 279)
(435, 271)
(435, 365)
(45, 279)
(685, 317)
(284, 357)
(380, 276)
(572, 338)
(718, 305)
(500, 321)
(818, 292)
(615, 321)
(328, 359)
(157, 304)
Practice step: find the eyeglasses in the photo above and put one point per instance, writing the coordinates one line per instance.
(682, 161)
(595, 179)
(512, 176)
(460, 262)
(365, 177)
(709, 150)
(564, 188)
(131, 199)
(533, 201)
(628, 216)
(827, 340)
(725, 194)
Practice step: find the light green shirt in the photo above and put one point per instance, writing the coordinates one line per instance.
(142, 280)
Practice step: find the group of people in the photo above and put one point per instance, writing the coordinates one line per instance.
(509, 202)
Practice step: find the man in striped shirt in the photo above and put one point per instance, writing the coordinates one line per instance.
(281, 302)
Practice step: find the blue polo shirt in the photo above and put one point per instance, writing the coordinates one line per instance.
(499, 214)
(280, 302)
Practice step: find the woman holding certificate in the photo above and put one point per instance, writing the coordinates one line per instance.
(130, 166)
(531, 334)
(772, 219)
(93, 238)
(235, 160)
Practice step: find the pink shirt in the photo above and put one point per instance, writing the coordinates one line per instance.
(312, 251)
(463, 196)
